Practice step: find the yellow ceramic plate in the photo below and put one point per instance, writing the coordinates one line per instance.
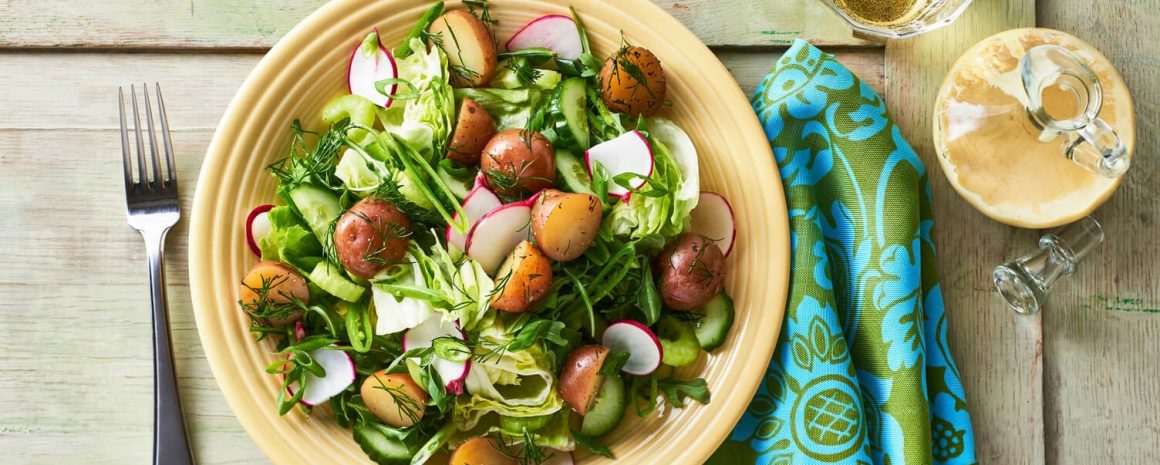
(308, 67)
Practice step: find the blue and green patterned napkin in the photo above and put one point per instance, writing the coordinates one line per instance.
(862, 372)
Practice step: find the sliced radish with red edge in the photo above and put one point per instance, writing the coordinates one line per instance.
(627, 153)
(713, 218)
(257, 227)
(370, 63)
(497, 233)
(480, 201)
(339, 374)
(452, 373)
(643, 346)
(557, 33)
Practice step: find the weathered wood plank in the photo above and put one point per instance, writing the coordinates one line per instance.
(1000, 356)
(257, 24)
(74, 312)
(1103, 324)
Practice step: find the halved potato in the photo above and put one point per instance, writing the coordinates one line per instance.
(523, 279)
(481, 451)
(565, 224)
(268, 292)
(581, 378)
(394, 398)
(473, 130)
(471, 55)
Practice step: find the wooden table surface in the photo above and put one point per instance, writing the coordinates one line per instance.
(1079, 384)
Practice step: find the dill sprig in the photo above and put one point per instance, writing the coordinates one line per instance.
(526, 74)
(408, 407)
(315, 165)
(266, 308)
(383, 232)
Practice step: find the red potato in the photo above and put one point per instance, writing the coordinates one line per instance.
(394, 398)
(481, 451)
(633, 82)
(268, 291)
(474, 128)
(516, 164)
(690, 271)
(581, 379)
(525, 278)
(470, 49)
(370, 236)
(565, 224)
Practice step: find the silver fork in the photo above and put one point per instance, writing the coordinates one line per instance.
(153, 209)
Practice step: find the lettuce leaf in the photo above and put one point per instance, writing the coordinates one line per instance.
(458, 287)
(675, 169)
(290, 241)
(508, 383)
(423, 111)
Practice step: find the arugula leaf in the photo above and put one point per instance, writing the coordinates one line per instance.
(613, 363)
(655, 189)
(529, 334)
(676, 391)
(648, 298)
(592, 445)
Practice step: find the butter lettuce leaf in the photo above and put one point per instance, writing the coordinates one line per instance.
(511, 108)
(422, 113)
(290, 241)
(507, 383)
(675, 170)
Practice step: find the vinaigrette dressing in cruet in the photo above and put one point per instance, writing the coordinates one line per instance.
(1034, 127)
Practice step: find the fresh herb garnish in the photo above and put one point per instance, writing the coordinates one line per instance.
(592, 444)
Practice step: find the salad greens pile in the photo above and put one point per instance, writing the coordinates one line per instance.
(430, 318)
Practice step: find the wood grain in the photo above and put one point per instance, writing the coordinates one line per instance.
(257, 24)
(74, 311)
(1000, 356)
(1102, 325)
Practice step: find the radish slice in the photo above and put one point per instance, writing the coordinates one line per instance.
(557, 33)
(394, 314)
(452, 373)
(370, 63)
(299, 331)
(497, 233)
(627, 153)
(643, 347)
(559, 457)
(713, 218)
(339, 370)
(257, 227)
(480, 201)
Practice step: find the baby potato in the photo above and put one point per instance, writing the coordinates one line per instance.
(471, 55)
(690, 271)
(269, 290)
(370, 236)
(394, 398)
(516, 164)
(481, 451)
(580, 379)
(473, 130)
(633, 82)
(525, 278)
(565, 224)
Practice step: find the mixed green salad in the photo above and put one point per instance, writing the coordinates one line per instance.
(494, 254)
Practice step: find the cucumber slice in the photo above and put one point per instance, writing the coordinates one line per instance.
(570, 113)
(608, 409)
(714, 327)
(331, 279)
(573, 174)
(384, 445)
(515, 426)
(678, 342)
(318, 206)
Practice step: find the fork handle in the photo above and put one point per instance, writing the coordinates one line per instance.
(170, 441)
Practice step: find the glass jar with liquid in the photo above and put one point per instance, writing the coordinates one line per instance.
(897, 19)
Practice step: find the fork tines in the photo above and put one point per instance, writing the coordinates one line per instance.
(158, 181)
